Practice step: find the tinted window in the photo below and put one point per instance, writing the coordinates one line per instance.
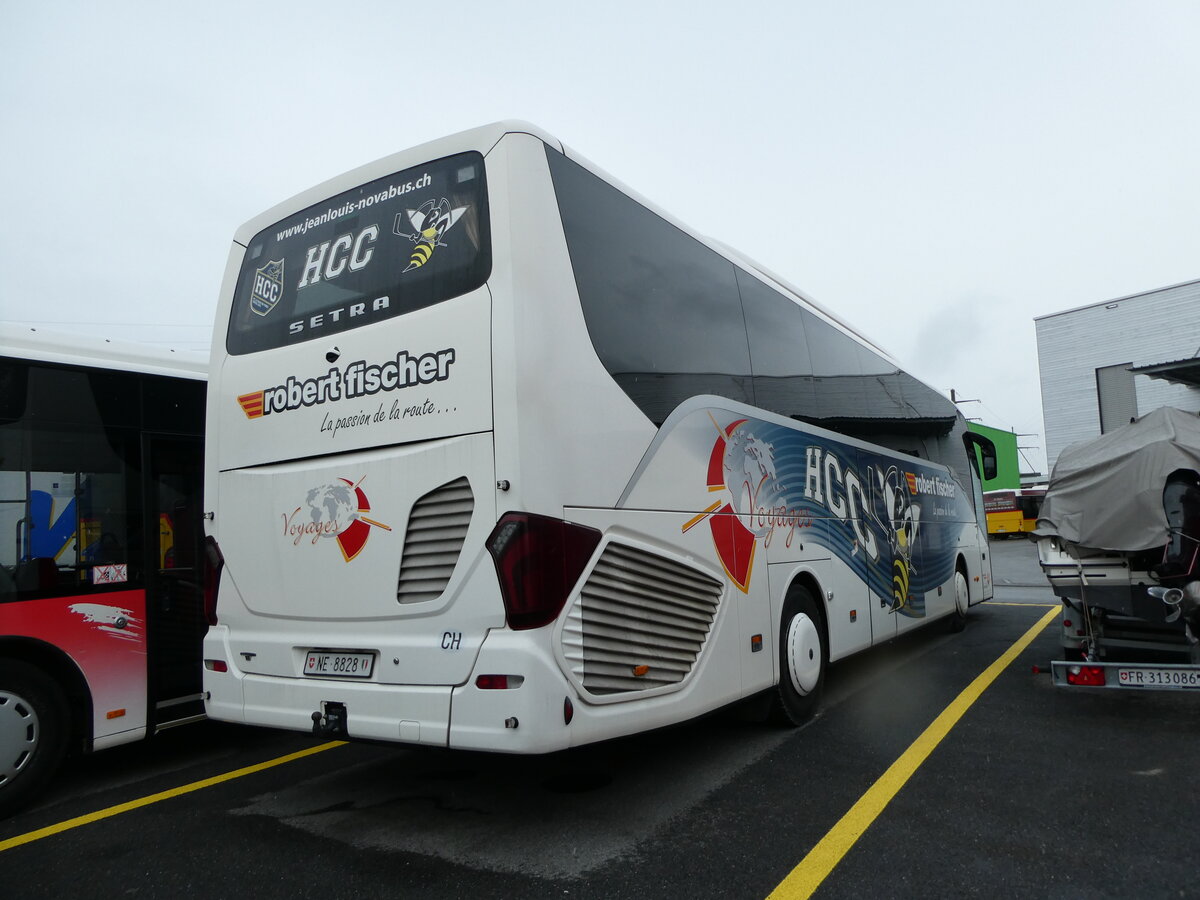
(662, 309)
(841, 391)
(66, 483)
(810, 370)
(172, 405)
(783, 370)
(12, 391)
(394, 245)
(81, 398)
(670, 319)
(70, 476)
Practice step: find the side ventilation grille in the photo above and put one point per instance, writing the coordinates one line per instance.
(437, 527)
(640, 622)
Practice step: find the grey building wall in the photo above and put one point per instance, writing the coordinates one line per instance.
(1155, 327)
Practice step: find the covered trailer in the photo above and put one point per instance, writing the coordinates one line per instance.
(1119, 541)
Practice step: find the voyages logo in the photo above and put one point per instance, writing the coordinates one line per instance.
(864, 514)
(334, 511)
(754, 503)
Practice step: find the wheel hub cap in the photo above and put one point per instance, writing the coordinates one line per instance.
(962, 596)
(18, 735)
(804, 654)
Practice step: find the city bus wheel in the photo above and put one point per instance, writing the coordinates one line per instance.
(33, 733)
(962, 601)
(803, 656)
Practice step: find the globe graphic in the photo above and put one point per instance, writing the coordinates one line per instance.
(334, 507)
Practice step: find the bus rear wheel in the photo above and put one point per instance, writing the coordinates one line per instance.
(803, 657)
(33, 733)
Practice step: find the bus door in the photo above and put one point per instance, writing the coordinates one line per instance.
(174, 588)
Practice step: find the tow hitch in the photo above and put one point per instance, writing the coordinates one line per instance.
(332, 722)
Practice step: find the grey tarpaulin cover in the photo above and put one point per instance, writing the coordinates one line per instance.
(1108, 493)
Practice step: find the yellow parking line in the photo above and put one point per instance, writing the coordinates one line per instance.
(1011, 603)
(49, 830)
(824, 857)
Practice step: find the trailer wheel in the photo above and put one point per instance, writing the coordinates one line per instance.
(962, 601)
(803, 657)
(33, 733)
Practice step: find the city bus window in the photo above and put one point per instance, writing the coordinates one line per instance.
(64, 486)
(12, 392)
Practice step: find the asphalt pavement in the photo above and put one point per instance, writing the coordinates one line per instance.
(1031, 791)
(1015, 564)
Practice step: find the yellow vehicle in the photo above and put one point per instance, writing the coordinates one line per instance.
(1013, 512)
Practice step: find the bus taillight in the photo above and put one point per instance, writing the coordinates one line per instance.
(214, 562)
(538, 560)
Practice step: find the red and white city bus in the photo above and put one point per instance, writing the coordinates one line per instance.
(101, 604)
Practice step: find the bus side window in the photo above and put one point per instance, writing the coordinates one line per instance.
(37, 574)
(65, 485)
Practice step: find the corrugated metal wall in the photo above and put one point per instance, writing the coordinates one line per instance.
(1158, 326)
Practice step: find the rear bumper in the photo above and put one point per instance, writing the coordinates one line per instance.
(526, 719)
(1128, 675)
(418, 714)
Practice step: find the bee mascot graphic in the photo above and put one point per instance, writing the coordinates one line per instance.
(429, 225)
(902, 524)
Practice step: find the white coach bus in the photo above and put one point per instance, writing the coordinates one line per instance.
(502, 457)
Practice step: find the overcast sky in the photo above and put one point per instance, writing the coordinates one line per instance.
(938, 173)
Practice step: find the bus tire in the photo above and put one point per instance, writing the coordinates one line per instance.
(957, 620)
(803, 658)
(33, 733)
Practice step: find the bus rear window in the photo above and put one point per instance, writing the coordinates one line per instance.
(391, 246)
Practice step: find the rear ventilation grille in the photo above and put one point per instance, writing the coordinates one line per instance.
(437, 527)
(640, 622)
